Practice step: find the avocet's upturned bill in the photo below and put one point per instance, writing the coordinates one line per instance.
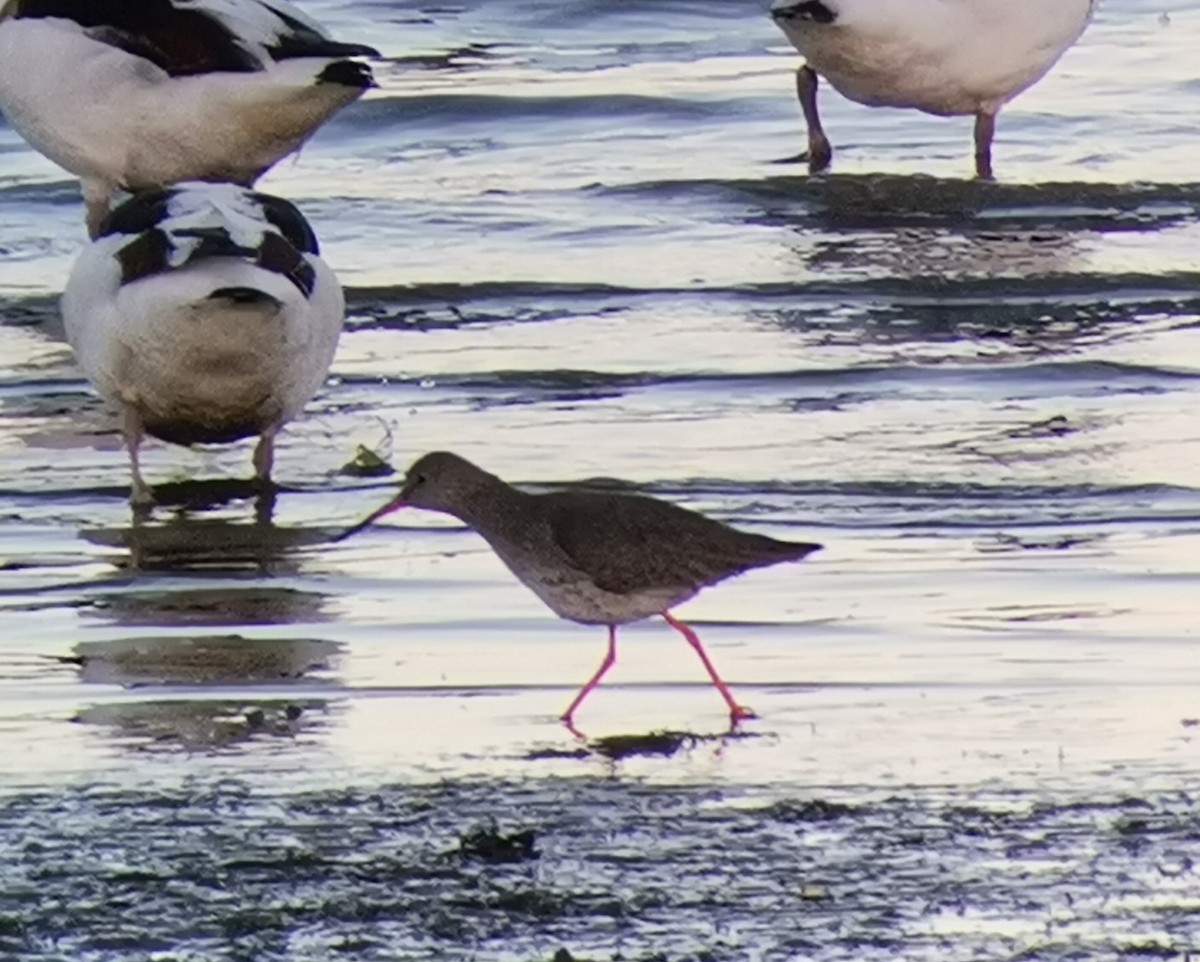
(944, 57)
(141, 95)
(205, 313)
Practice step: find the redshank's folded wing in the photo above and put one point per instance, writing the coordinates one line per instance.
(628, 543)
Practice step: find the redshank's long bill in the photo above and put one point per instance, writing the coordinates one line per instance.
(594, 557)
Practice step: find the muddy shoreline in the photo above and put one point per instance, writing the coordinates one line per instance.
(594, 868)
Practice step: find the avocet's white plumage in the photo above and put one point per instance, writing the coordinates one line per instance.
(141, 94)
(945, 57)
(206, 314)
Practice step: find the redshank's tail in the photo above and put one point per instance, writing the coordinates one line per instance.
(769, 551)
(744, 553)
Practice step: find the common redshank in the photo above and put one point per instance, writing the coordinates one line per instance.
(597, 558)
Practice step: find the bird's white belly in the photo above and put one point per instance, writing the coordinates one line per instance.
(202, 366)
(583, 602)
(881, 74)
(878, 73)
(226, 126)
(572, 595)
(200, 376)
(107, 115)
(963, 70)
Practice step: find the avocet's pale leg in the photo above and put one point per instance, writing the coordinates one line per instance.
(134, 432)
(820, 153)
(264, 455)
(985, 130)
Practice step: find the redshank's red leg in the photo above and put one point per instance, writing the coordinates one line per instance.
(610, 659)
(736, 712)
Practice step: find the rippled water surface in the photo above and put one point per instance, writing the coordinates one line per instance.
(572, 251)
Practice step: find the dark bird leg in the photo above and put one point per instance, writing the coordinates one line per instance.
(819, 151)
(609, 660)
(264, 507)
(264, 456)
(985, 130)
(737, 712)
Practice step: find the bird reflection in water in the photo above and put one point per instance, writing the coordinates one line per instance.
(919, 228)
(173, 725)
(614, 749)
(188, 541)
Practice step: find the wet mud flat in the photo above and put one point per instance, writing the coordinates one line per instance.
(599, 868)
(572, 259)
(991, 427)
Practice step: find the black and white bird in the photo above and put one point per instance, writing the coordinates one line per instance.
(205, 313)
(944, 57)
(141, 94)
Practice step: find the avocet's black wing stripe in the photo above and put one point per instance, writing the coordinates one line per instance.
(146, 254)
(138, 214)
(277, 255)
(813, 10)
(162, 240)
(188, 40)
(150, 253)
(290, 46)
(182, 42)
(302, 41)
(285, 217)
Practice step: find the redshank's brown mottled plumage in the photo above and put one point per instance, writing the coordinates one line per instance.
(594, 557)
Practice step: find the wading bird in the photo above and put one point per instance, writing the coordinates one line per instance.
(140, 94)
(594, 557)
(944, 57)
(205, 313)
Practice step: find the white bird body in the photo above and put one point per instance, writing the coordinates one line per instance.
(211, 90)
(201, 319)
(200, 370)
(943, 57)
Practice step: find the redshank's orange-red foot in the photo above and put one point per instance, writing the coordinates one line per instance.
(597, 558)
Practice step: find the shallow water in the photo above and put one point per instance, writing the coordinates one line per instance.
(570, 253)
